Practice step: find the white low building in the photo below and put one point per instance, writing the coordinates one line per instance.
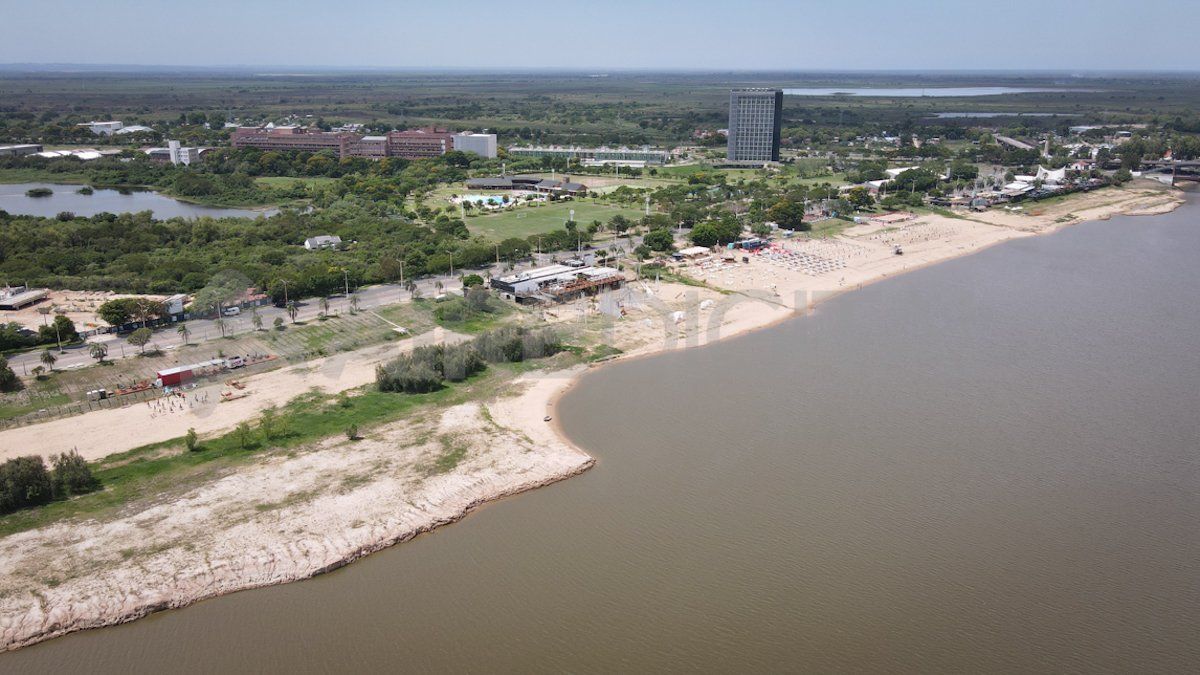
(132, 129)
(322, 241)
(557, 282)
(104, 128)
(87, 154)
(892, 173)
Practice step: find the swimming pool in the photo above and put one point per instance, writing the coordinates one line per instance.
(486, 199)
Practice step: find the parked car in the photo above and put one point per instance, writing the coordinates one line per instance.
(231, 311)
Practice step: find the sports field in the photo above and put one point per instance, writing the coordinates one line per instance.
(526, 220)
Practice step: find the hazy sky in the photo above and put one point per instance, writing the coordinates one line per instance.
(705, 34)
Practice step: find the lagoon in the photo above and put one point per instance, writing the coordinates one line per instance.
(106, 200)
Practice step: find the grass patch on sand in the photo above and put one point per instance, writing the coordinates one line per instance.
(168, 466)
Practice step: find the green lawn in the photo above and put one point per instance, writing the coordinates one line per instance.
(691, 169)
(523, 221)
(832, 179)
(289, 181)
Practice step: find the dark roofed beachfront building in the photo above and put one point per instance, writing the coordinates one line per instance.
(531, 183)
(755, 118)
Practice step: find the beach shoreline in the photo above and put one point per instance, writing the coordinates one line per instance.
(511, 445)
(1174, 199)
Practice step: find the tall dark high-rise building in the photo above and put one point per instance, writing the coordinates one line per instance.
(755, 116)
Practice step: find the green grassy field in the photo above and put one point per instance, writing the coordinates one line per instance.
(289, 181)
(693, 169)
(526, 220)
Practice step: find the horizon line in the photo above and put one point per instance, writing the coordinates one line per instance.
(30, 66)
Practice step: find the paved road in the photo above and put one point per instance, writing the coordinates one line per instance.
(202, 330)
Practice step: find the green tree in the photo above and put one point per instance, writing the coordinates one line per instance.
(120, 311)
(184, 332)
(256, 320)
(48, 359)
(660, 240)
(243, 435)
(61, 330)
(191, 440)
(24, 482)
(98, 351)
(278, 323)
(269, 423)
(788, 214)
(619, 224)
(860, 197)
(8, 379)
(71, 475)
(140, 338)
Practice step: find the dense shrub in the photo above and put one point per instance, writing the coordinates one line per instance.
(477, 301)
(71, 475)
(415, 373)
(24, 482)
(425, 369)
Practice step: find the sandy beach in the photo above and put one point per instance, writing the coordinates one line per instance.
(293, 515)
(105, 432)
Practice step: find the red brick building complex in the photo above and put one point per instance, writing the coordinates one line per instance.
(419, 143)
(413, 144)
(294, 138)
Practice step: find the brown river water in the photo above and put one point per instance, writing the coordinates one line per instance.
(990, 465)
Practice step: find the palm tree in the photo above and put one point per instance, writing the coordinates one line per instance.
(98, 351)
(220, 324)
(183, 333)
(45, 310)
(48, 359)
(256, 320)
(292, 310)
(325, 305)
